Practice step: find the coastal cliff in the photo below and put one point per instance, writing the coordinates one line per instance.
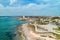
(18, 32)
(36, 29)
(27, 32)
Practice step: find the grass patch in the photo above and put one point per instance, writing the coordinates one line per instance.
(57, 36)
(57, 29)
(42, 22)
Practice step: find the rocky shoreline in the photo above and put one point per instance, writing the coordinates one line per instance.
(17, 37)
(26, 32)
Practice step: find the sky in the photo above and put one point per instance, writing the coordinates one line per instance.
(29, 7)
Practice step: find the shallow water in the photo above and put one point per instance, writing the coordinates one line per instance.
(7, 26)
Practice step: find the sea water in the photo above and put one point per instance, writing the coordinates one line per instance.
(7, 26)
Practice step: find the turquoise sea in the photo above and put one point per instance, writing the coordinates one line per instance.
(8, 25)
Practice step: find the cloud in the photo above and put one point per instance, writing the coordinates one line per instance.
(12, 2)
(46, 0)
(30, 9)
(16, 3)
(21, 10)
(1, 5)
(35, 7)
(5, 2)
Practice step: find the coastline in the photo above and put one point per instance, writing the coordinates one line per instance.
(24, 32)
(27, 31)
